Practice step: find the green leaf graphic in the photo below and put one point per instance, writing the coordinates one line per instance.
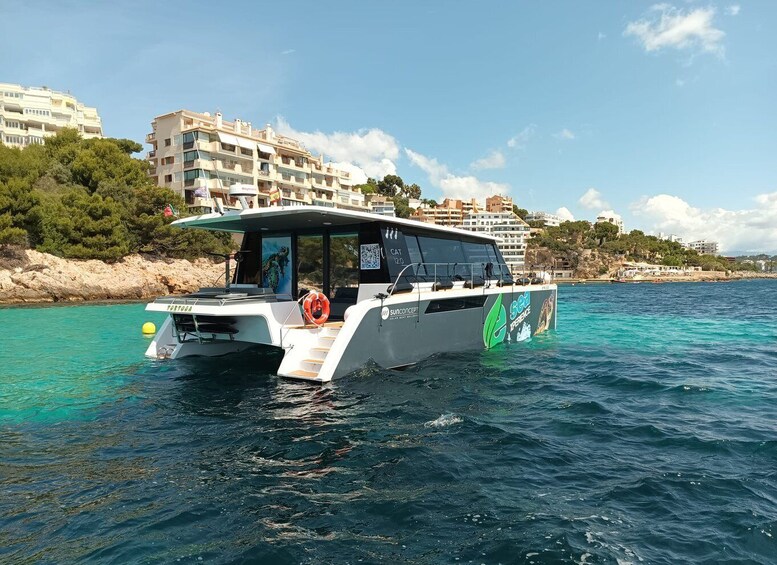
(495, 327)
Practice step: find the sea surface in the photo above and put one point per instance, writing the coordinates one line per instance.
(642, 430)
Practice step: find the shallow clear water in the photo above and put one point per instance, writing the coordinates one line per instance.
(643, 430)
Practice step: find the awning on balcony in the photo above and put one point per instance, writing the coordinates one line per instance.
(245, 143)
(227, 138)
(266, 148)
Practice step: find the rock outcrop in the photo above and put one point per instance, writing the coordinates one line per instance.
(27, 276)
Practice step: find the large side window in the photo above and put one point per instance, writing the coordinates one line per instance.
(249, 268)
(445, 255)
(477, 257)
(415, 254)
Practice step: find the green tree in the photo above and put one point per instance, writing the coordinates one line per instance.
(605, 231)
(390, 185)
(84, 226)
(520, 212)
(20, 205)
(102, 162)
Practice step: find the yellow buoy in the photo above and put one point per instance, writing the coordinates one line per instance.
(149, 328)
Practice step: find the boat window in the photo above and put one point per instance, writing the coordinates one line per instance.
(415, 254)
(477, 256)
(248, 268)
(446, 251)
(310, 263)
(343, 271)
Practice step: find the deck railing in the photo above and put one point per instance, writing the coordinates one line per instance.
(437, 273)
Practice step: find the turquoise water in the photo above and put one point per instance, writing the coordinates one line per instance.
(643, 430)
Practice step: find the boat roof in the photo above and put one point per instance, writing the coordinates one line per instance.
(279, 218)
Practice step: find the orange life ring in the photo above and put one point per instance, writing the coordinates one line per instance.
(316, 308)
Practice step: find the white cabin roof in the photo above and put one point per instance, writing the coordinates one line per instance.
(279, 218)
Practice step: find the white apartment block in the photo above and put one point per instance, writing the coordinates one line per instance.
(549, 220)
(381, 205)
(704, 247)
(200, 156)
(30, 114)
(611, 217)
(510, 231)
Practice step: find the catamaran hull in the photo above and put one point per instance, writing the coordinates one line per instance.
(393, 332)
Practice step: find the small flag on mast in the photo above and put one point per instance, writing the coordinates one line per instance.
(170, 211)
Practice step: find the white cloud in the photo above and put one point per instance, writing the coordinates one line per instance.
(373, 150)
(733, 10)
(601, 36)
(565, 214)
(679, 82)
(564, 134)
(519, 140)
(592, 199)
(288, 51)
(670, 27)
(753, 229)
(454, 186)
(495, 160)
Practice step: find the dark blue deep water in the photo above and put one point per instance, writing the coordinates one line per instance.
(644, 430)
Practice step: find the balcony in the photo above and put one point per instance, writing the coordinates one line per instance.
(150, 137)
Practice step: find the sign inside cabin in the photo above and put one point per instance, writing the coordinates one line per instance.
(397, 256)
(369, 256)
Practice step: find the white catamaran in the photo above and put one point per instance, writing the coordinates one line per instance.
(336, 289)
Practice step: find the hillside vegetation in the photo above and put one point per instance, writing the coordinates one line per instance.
(90, 199)
(574, 242)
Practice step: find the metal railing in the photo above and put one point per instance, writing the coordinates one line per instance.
(454, 272)
(286, 319)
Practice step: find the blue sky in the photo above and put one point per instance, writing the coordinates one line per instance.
(665, 113)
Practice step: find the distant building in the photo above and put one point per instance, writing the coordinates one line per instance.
(499, 203)
(549, 220)
(30, 114)
(670, 237)
(200, 156)
(510, 231)
(704, 247)
(450, 212)
(611, 217)
(381, 205)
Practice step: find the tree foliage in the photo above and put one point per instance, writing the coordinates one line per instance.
(89, 199)
(569, 239)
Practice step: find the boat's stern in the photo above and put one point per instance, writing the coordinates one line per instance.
(219, 324)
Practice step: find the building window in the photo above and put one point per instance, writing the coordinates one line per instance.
(168, 142)
(168, 160)
(168, 178)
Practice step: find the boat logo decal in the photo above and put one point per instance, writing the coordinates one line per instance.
(495, 326)
(178, 308)
(398, 313)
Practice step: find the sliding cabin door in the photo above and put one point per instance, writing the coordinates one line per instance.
(310, 263)
(343, 280)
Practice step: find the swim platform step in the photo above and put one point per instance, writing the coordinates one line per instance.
(300, 374)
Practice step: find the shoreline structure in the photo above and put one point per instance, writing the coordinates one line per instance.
(31, 277)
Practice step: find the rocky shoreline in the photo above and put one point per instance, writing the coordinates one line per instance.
(30, 277)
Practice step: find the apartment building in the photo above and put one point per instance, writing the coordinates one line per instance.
(451, 212)
(202, 155)
(498, 203)
(704, 247)
(510, 231)
(30, 114)
(548, 220)
(381, 205)
(610, 217)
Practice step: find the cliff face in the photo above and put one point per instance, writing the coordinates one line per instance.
(28, 276)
